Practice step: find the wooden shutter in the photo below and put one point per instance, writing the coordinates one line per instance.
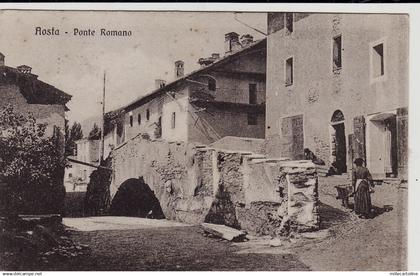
(292, 136)
(359, 137)
(402, 141)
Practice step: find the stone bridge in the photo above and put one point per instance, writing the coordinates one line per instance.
(196, 183)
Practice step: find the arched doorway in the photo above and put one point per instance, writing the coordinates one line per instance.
(338, 143)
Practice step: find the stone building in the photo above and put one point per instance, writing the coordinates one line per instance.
(78, 175)
(337, 84)
(27, 94)
(225, 97)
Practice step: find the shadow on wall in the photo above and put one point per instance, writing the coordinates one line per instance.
(222, 210)
(135, 198)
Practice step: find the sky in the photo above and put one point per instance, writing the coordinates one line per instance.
(76, 64)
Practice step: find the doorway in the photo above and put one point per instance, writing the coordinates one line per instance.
(382, 159)
(338, 143)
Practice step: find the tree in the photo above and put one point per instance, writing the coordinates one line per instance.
(95, 133)
(73, 134)
(31, 165)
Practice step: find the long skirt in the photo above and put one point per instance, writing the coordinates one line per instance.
(362, 202)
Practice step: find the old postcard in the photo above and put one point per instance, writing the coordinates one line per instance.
(203, 140)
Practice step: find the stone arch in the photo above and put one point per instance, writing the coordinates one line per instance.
(337, 116)
(135, 198)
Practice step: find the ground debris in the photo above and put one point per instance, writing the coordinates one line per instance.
(224, 232)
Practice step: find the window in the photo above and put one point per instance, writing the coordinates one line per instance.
(131, 120)
(147, 114)
(252, 93)
(288, 21)
(173, 120)
(212, 84)
(139, 119)
(378, 65)
(252, 119)
(337, 53)
(289, 71)
(158, 130)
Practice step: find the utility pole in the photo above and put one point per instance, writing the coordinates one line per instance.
(103, 123)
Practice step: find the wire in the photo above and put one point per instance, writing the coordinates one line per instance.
(248, 25)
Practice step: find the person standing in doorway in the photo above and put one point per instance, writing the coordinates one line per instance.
(362, 181)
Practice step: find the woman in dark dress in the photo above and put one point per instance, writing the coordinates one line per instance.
(362, 180)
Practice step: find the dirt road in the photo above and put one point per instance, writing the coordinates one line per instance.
(163, 245)
(346, 243)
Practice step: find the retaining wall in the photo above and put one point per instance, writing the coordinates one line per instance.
(195, 184)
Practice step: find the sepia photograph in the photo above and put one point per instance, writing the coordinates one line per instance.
(203, 140)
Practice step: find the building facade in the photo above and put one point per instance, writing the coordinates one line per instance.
(337, 84)
(29, 95)
(77, 176)
(225, 97)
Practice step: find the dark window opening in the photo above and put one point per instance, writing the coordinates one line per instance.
(378, 65)
(337, 53)
(289, 21)
(139, 118)
(147, 114)
(253, 93)
(173, 120)
(131, 120)
(158, 130)
(212, 85)
(289, 71)
(252, 119)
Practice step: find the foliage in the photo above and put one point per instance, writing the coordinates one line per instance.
(31, 165)
(98, 197)
(95, 133)
(73, 134)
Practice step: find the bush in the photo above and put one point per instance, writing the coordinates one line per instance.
(31, 165)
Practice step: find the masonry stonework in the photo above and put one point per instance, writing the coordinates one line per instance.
(195, 184)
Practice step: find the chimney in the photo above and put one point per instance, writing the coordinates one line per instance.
(1, 59)
(232, 42)
(179, 69)
(246, 40)
(159, 83)
(215, 56)
(25, 69)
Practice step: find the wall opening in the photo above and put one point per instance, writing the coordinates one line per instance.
(382, 146)
(338, 143)
(337, 53)
(212, 84)
(289, 71)
(173, 120)
(252, 97)
(378, 66)
(135, 198)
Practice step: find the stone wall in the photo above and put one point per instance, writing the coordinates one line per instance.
(195, 184)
